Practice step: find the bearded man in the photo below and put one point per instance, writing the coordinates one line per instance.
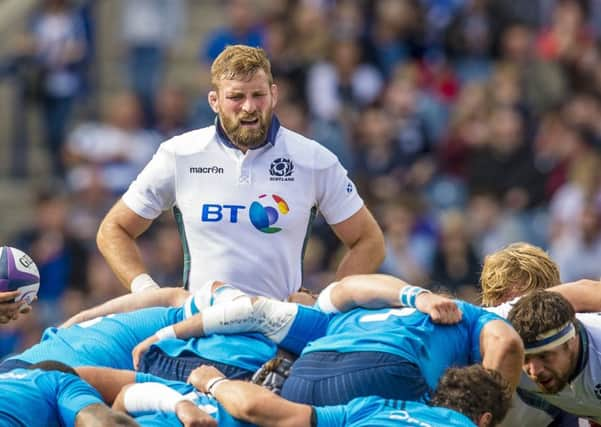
(244, 192)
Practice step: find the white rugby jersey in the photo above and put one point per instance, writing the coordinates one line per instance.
(582, 395)
(244, 217)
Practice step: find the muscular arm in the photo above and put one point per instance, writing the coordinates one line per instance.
(380, 290)
(584, 295)
(116, 240)
(502, 350)
(107, 381)
(165, 297)
(363, 237)
(252, 403)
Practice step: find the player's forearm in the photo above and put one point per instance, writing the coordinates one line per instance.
(367, 290)
(584, 295)
(120, 252)
(166, 297)
(231, 317)
(258, 406)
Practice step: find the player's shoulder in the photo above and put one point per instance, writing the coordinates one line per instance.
(474, 312)
(304, 151)
(191, 142)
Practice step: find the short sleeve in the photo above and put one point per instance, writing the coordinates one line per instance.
(153, 191)
(331, 416)
(74, 394)
(478, 318)
(337, 195)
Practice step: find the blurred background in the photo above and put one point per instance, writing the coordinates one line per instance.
(466, 124)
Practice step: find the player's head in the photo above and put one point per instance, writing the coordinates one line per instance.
(516, 270)
(53, 365)
(243, 94)
(546, 323)
(480, 394)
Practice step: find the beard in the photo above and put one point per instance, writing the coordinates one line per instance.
(243, 136)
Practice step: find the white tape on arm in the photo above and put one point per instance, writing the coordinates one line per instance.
(324, 301)
(229, 317)
(151, 397)
(143, 282)
(166, 332)
(274, 318)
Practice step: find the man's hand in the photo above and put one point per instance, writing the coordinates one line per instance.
(440, 309)
(139, 350)
(191, 415)
(200, 376)
(10, 310)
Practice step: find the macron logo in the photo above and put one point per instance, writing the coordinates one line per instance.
(207, 170)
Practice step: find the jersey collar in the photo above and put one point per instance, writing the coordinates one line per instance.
(274, 127)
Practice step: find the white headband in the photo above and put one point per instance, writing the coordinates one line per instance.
(551, 339)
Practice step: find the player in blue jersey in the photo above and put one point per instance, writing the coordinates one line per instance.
(289, 325)
(109, 340)
(467, 397)
(395, 353)
(104, 341)
(51, 394)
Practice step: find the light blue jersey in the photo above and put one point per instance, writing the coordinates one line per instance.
(207, 404)
(410, 334)
(378, 412)
(245, 351)
(43, 398)
(104, 341)
(251, 350)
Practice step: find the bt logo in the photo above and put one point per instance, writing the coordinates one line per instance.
(262, 214)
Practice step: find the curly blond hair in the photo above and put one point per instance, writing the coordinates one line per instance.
(240, 62)
(516, 270)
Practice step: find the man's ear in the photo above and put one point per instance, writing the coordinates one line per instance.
(274, 95)
(213, 99)
(485, 420)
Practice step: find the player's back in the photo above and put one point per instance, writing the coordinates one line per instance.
(378, 412)
(104, 341)
(42, 398)
(410, 334)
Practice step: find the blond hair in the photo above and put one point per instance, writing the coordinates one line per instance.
(240, 62)
(515, 270)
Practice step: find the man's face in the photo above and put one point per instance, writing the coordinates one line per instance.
(245, 108)
(551, 369)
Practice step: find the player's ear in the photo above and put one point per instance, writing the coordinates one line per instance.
(485, 420)
(274, 95)
(213, 99)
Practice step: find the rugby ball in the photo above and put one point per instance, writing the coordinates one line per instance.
(18, 272)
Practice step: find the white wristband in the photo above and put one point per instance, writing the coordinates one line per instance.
(143, 282)
(408, 295)
(213, 383)
(166, 332)
(144, 398)
(324, 301)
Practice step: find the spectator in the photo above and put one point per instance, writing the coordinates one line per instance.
(57, 43)
(150, 30)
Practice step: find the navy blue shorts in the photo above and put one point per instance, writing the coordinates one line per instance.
(10, 364)
(331, 378)
(156, 362)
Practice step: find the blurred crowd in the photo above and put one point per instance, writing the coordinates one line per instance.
(466, 125)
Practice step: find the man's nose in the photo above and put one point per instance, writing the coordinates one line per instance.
(534, 367)
(249, 105)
